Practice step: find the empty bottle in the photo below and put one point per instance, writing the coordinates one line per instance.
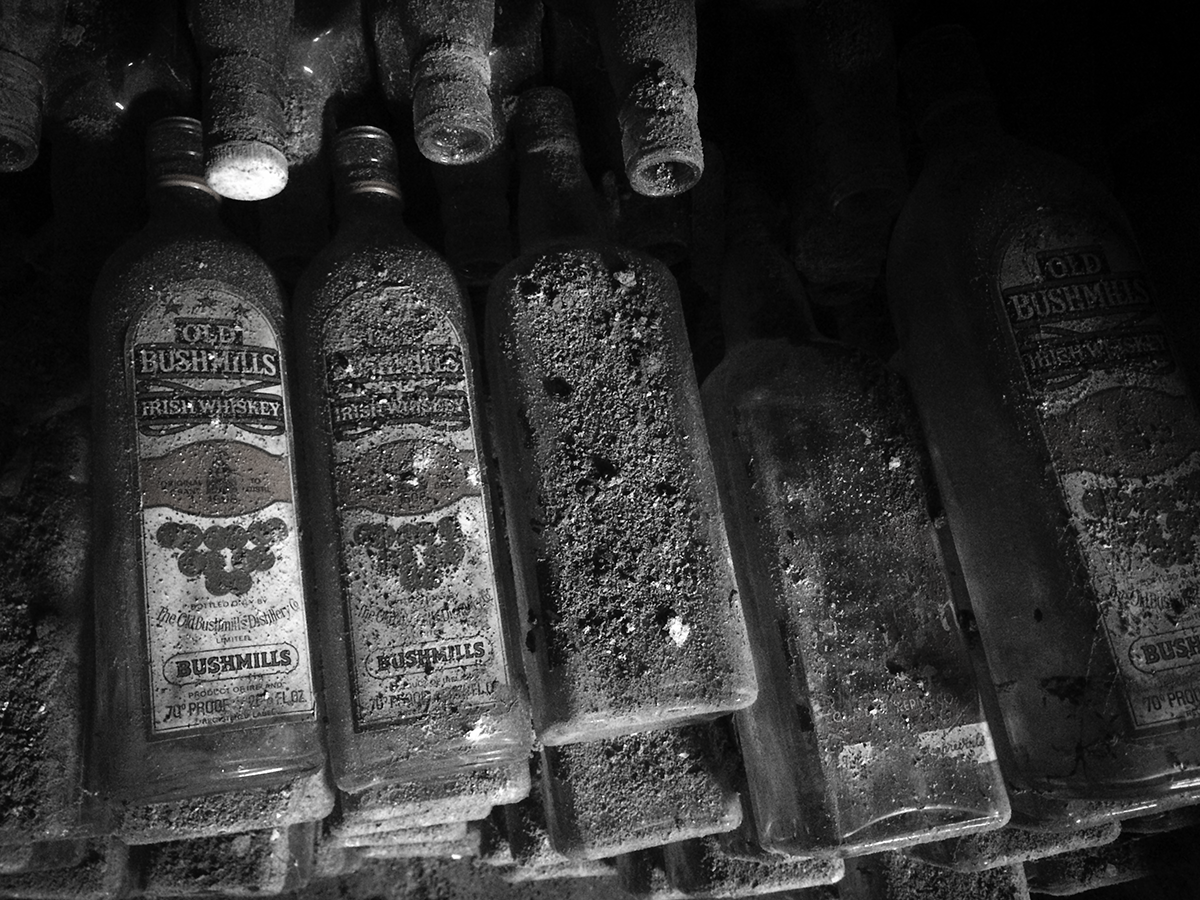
(867, 732)
(1066, 444)
(203, 669)
(631, 614)
(405, 559)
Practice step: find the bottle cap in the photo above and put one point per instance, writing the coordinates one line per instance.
(246, 170)
(452, 110)
(941, 70)
(364, 161)
(660, 137)
(244, 126)
(175, 154)
(22, 88)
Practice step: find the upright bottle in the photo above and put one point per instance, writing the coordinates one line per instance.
(867, 732)
(632, 615)
(1066, 444)
(204, 676)
(405, 556)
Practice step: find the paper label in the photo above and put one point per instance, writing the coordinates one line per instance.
(417, 571)
(226, 629)
(1124, 438)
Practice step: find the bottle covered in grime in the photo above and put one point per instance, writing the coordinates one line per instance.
(867, 733)
(204, 677)
(410, 582)
(630, 612)
(1065, 441)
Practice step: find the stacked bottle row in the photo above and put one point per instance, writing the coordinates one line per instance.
(805, 557)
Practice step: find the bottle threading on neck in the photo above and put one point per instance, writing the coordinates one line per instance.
(949, 98)
(366, 172)
(175, 166)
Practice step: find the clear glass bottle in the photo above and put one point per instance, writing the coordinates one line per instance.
(1065, 442)
(629, 605)
(867, 732)
(406, 565)
(243, 47)
(203, 667)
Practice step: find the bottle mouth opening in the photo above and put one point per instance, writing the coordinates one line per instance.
(450, 138)
(664, 173)
(18, 148)
(246, 170)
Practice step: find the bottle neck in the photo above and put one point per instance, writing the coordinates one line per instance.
(182, 195)
(556, 201)
(762, 297)
(375, 202)
(960, 120)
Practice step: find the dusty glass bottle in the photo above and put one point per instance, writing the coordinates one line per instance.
(650, 53)
(29, 31)
(1066, 445)
(243, 47)
(406, 566)
(203, 666)
(631, 614)
(867, 732)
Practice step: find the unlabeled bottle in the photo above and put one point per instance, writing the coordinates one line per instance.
(437, 52)
(631, 612)
(858, 658)
(29, 33)
(1065, 442)
(650, 53)
(203, 669)
(243, 47)
(405, 557)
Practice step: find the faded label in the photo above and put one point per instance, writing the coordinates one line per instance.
(1125, 441)
(417, 568)
(226, 632)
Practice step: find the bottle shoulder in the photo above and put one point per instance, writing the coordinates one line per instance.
(163, 256)
(979, 192)
(370, 271)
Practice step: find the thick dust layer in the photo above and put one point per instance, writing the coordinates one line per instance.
(611, 480)
(640, 790)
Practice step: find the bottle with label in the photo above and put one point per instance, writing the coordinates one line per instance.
(203, 667)
(631, 613)
(867, 733)
(1065, 442)
(243, 47)
(405, 556)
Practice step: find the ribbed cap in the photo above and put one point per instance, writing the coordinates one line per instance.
(364, 161)
(22, 88)
(941, 69)
(175, 154)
